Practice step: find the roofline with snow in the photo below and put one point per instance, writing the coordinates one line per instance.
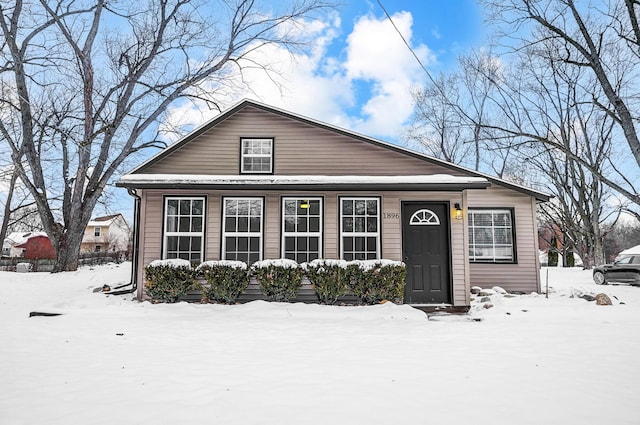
(289, 182)
(540, 196)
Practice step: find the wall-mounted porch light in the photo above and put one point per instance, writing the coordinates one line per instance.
(458, 211)
(305, 204)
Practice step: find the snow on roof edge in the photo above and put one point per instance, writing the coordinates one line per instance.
(294, 180)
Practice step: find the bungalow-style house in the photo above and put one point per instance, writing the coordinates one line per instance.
(108, 233)
(258, 182)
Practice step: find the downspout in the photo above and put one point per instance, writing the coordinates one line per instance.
(134, 253)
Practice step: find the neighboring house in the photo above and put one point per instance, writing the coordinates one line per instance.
(108, 233)
(31, 245)
(38, 247)
(257, 182)
(14, 245)
(634, 250)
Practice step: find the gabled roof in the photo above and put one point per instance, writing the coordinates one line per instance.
(32, 237)
(251, 103)
(106, 217)
(18, 238)
(106, 220)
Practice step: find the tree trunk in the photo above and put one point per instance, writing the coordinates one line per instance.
(7, 207)
(67, 249)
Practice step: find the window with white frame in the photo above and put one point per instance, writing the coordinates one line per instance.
(256, 156)
(242, 229)
(491, 237)
(359, 228)
(97, 231)
(301, 229)
(184, 228)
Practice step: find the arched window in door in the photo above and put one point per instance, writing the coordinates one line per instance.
(424, 218)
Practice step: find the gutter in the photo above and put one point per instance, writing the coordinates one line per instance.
(136, 240)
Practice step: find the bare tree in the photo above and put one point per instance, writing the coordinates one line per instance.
(89, 80)
(450, 113)
(438, 127)
(604, 40)
(601, 42)
(19, 209)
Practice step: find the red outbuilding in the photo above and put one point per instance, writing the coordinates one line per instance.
(38, 247)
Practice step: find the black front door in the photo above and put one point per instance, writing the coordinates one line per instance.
(425, 244)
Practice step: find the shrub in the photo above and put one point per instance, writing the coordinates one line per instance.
(279, 279)
(226, 279)
(374, 281)
(329, 278)
(169, 280)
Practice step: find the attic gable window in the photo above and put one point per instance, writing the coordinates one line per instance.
(256, 156)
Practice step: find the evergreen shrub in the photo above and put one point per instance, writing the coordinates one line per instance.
(329, 278)
(166, 281)
(226, 279)
(374, 281)
(279, 279)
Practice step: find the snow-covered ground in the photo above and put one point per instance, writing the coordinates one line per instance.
(111, 360)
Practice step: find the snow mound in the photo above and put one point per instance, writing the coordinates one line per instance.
(322, 313)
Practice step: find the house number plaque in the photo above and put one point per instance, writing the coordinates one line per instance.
(391, 216)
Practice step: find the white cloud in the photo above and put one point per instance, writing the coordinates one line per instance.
(375, 61)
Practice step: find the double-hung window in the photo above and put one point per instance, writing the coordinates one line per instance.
(360, 228)
(242, 229)
(301, 229)
(184, 228)
(97, 231)
(256, 156)
(491, 237)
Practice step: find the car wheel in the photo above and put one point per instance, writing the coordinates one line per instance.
(598, 278)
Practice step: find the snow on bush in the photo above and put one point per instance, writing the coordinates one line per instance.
(280, 262)
(174, 262)
(366, 265)
(226, 279)
(224, 263)
(279, 279)
(375, 281)
(169, 280)
(329, 278)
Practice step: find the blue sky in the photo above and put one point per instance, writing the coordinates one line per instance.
(358, 73)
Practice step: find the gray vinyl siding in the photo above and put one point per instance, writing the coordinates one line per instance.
(391, 229)
(522, 276)
(299, 149)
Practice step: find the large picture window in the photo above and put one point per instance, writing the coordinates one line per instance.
(184, 228)
(242, 229)
(301, 229)
(491, 235)
(359, 228)
(256, 156)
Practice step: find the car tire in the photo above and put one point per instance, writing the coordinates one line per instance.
(599, 279)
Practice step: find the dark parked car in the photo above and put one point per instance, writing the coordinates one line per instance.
(625, 269)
